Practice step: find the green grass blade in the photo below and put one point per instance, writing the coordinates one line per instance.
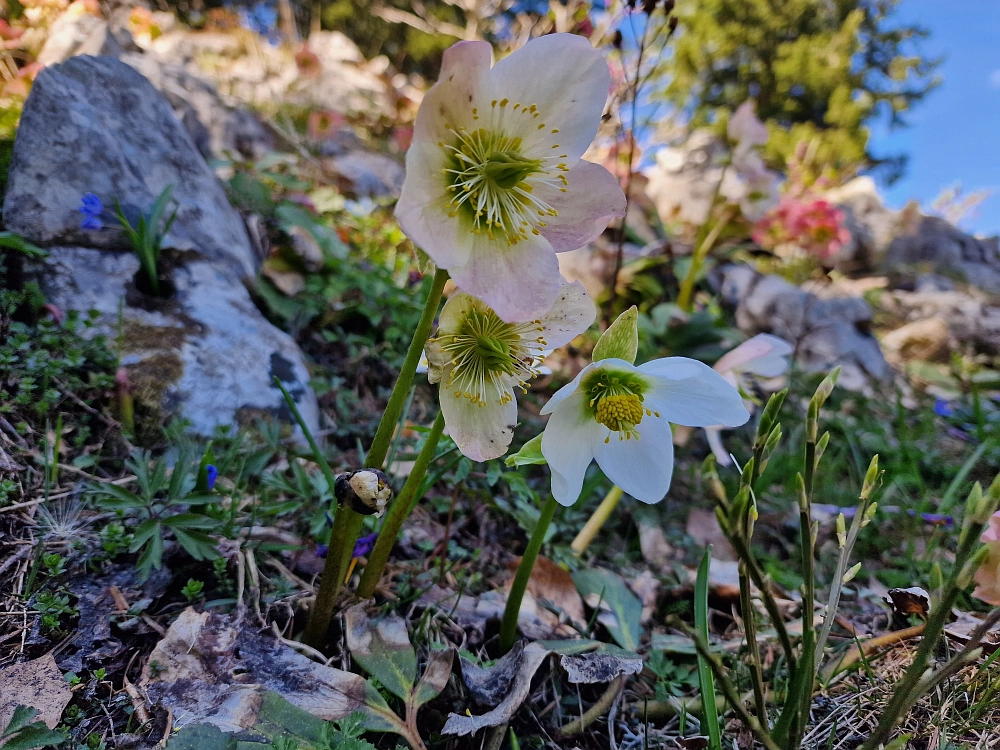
(705, 679)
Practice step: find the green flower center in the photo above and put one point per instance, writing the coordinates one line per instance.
(489, 357)
(615, 401)
(491, 179)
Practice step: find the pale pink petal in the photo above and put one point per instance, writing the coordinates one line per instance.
(520, 282)
(567, 80)
(463, 84)
(762, 347)
(714, 435)
(642, 467)
(685, 391)
(992, 532)
(481, 432)
(987, 577)
(567, 446)
(571, 315)
(592, 199)
(423, 208)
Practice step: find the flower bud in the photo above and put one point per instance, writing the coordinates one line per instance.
(869, 514)
(820, 448)
(364, 491)
(849, 575)
(841, 530)
(871, 477)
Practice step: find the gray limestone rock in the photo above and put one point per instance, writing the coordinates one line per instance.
(204, 353)
(93, 124)
(825, 332)
(934, 245)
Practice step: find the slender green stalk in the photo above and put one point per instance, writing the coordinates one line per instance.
(398, 512)
(750, 632)
(907, 691)
(508, 628)
(710, 716)
(390, 417)
(597, 520)
(729, 690)
(701, 249)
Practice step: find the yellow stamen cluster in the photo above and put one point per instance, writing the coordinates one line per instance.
(616, 400)
(620, 413)
(489, 358)
(492, 177)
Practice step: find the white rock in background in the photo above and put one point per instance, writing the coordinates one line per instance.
(205, 354)
(825, 332)
(684, 179)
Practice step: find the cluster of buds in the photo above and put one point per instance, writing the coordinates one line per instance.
(365, 491)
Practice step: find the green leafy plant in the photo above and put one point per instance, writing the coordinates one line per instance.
(161, 506)
(22, 733)
(147, 234)
(192, 589)
(53, 606)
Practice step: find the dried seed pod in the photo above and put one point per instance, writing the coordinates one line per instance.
(364, 491)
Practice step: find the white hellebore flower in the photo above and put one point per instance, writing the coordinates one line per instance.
(620, 415)
(495, 186)
(479, 361)
(765, 356)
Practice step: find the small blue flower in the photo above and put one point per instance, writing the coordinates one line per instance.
(261, 19)
(942, 408)
(92, 209)
(364, 545)
(322, 550)
(211, 474)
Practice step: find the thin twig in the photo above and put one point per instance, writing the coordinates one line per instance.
(601, 707)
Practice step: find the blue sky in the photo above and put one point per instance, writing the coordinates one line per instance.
(954, 134)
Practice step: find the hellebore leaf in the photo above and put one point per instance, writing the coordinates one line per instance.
(382, 648)
(623, 609)
(621, 340)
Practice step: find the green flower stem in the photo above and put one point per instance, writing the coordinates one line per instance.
(597, 520)
(908, 691)
(346, 522)
(393, 411)
(684, 297)
(398, 512)
(508, 628)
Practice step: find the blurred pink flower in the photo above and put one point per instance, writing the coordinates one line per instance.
(323, 123)
(815, 225)
(987, 577)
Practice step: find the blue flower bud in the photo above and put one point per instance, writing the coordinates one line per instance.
(212, 474)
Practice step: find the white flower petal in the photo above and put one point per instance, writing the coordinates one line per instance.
(714, 435)
(422, 210)
(746, 356)
(566, 391)
(568, 80)
(454, 312)
(572, 314)
(685, 391)
(643, 467)
(520, 282)
(592, 199)
(480, 432)
(463, 84)
(567, 445)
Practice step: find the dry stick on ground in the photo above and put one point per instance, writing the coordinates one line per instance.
(601, 707)
(867, 648)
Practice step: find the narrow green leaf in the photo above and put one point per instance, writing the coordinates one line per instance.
(144, 532)
(530, 454)
(21, 718)
(705, 679)
(626, 607)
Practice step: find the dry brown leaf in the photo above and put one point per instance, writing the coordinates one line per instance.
(288, 283)
(210, 668)
(600, 667)
(37, 683)
(703, 527)
(910, 601)
(554, 584)
(510, 677)
(646, 586)
(656, 550)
